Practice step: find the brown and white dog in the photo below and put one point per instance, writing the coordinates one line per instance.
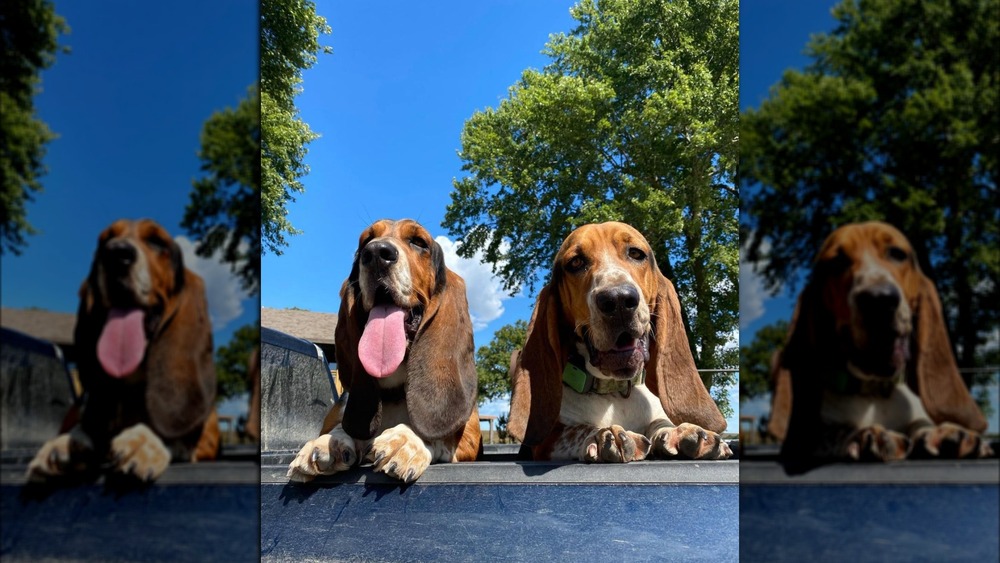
(867, 371)
(145, 362)
(606, 369)
(405, 357)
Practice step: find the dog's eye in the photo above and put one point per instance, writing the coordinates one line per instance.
(898, 254)
(156, 244)
(636, 254)
(418, 243)
(836, 265)
(576, 264)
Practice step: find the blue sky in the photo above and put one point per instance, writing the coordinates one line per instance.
(773, 36)
(390, 103)
(128, 104)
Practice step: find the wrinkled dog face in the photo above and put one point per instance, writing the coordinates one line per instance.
(397, 269)
(395, 264)
(606, 280)
(137, 265)
(873, 283)
(136, 269)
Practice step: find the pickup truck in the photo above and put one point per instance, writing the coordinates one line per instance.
(494, 509)
(194, 512)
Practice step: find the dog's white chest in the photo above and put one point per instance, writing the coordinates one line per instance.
(894, 412)
(634, 412)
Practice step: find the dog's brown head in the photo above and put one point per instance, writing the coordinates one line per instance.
(402, 304)
(143, 316)
(868, 307)
(607, 296)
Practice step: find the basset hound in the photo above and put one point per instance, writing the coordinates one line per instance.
(144, 343)
(405, 358)
(867, 371)
(606, 370)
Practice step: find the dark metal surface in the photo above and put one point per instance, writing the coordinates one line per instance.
(195, 512)
(35, 390)
(940, 522)
(489, 472)
(508, 522)
(296, 390)
(926, 510)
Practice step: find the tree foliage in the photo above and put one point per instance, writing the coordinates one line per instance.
(755, 360)
(635, 120)
(493, 360)
(289, 42)
(224, 211)
(29, 35)
(232, 362)
(895, 119)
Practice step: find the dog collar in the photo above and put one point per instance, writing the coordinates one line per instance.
(849, 381)
(576, 376)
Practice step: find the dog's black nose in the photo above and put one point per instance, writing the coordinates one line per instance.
(619, 299)
(119, 254)
(879, 298)
(381, 252)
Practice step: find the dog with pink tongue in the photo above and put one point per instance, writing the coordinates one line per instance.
(405, 358)
(144, 347)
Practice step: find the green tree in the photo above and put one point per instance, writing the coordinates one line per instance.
(29, 35)
(755, 360)
(289, 42)
(493, 360)
(635, 119)
(231, 362)
(224, 211)
(896, 119)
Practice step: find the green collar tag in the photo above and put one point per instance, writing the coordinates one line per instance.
(843, 382)
(582, 382)
(577, 379)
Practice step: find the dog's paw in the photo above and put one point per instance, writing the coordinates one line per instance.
(876, 443)
(950, 441)
(614, 444)
(325, 455)
(689, 441)
(59, 457)
(138, 452)
(400, 453)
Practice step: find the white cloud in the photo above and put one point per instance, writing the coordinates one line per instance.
(752, 292)
(222, 287)
(483, 290)
(497, 406)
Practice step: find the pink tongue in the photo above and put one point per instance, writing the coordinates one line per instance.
(383, 344)
(123, 342)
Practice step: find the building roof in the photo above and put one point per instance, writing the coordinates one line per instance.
(46, 325)
(307, 325)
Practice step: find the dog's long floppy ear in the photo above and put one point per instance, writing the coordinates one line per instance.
(441, 383)
(798, 344)
(536, 373)
(808, 350)
(670, 373)
(90, 317)
(938, 382)
(180, 386)
(781, 398)
(363, 413)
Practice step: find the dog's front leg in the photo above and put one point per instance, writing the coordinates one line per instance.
(946, 440)
(69, 453)
(137, 451)
(686, 441)
(326, 455)
(400, 453)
